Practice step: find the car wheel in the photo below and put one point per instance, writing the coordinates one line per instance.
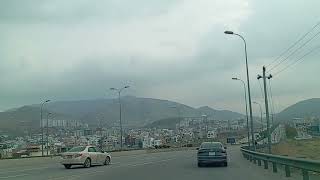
(67, 166)
(199, 164)
(107, 161)
(225, 164)
(87, 163)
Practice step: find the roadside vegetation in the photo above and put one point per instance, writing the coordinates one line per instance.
(309, 149)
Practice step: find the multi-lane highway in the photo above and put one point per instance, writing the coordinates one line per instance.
(148, 166)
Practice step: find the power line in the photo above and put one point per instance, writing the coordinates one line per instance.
(295, 43)
(300, 47)
(296, 61)
(271, 100)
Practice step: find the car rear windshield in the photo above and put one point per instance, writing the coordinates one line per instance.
(210, 145)
(77, 149)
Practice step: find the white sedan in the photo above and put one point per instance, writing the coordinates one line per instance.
(86, 156)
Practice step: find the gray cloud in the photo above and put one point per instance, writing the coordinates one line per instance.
(175, 50)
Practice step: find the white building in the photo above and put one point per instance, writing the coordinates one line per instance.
(157, 143)
(147, 142)
(211, 134)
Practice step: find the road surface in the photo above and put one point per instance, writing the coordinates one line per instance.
(178, 165)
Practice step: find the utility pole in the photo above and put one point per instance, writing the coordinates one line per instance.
(48, 133)
(266, 105)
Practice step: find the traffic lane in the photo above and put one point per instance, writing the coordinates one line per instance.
(29, 163)
(171, 165)
(11, 164)
(56, 170)
(184, 166)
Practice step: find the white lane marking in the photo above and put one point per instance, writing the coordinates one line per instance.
(100, 171)
(13, 176)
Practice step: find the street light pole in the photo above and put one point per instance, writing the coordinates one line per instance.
(248, 83)
(245, 99)
(180, 118)
(41, 123)
(120, 111)
(260, 114)
(48, 132)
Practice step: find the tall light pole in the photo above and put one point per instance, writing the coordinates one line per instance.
(179, 116)
(245, 100)
(48, 132)
(100, 132)
(248, 84)
(119, 98)
(41, 123)
(260, 114)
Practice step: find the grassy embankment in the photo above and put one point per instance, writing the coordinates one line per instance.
(298, 148)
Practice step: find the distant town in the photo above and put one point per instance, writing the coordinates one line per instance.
(63, 135)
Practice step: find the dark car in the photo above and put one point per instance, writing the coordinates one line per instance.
(212, 153)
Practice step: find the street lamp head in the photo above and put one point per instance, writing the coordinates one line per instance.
(47, 101)
(228, 32)
(259, 77)
(126, 86)
(235, 78)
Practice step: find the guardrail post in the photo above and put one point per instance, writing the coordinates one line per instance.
(265, 164)
(259, 162)
(274, 167)
(248, 157)
(251, 158)
(287, 169)
(305, 174)
(254, 161)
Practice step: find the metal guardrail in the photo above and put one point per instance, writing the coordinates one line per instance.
(304, 165)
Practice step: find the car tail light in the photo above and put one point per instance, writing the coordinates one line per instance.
(77, 155)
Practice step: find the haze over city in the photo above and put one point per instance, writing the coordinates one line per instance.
(176, 50)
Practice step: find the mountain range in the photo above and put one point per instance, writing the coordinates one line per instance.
(302, 109)
(136, 112)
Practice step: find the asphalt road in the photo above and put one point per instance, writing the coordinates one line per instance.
(178, 165)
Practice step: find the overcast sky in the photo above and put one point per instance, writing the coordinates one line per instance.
(167, 49)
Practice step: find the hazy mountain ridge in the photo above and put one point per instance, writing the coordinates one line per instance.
(219, 114)
(137, 112)
(302, 109)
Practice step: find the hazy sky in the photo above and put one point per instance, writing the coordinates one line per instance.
(168, 49)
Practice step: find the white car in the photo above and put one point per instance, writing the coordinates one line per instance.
(86, 156)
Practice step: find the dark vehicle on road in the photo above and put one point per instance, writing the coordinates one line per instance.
(210, 153)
